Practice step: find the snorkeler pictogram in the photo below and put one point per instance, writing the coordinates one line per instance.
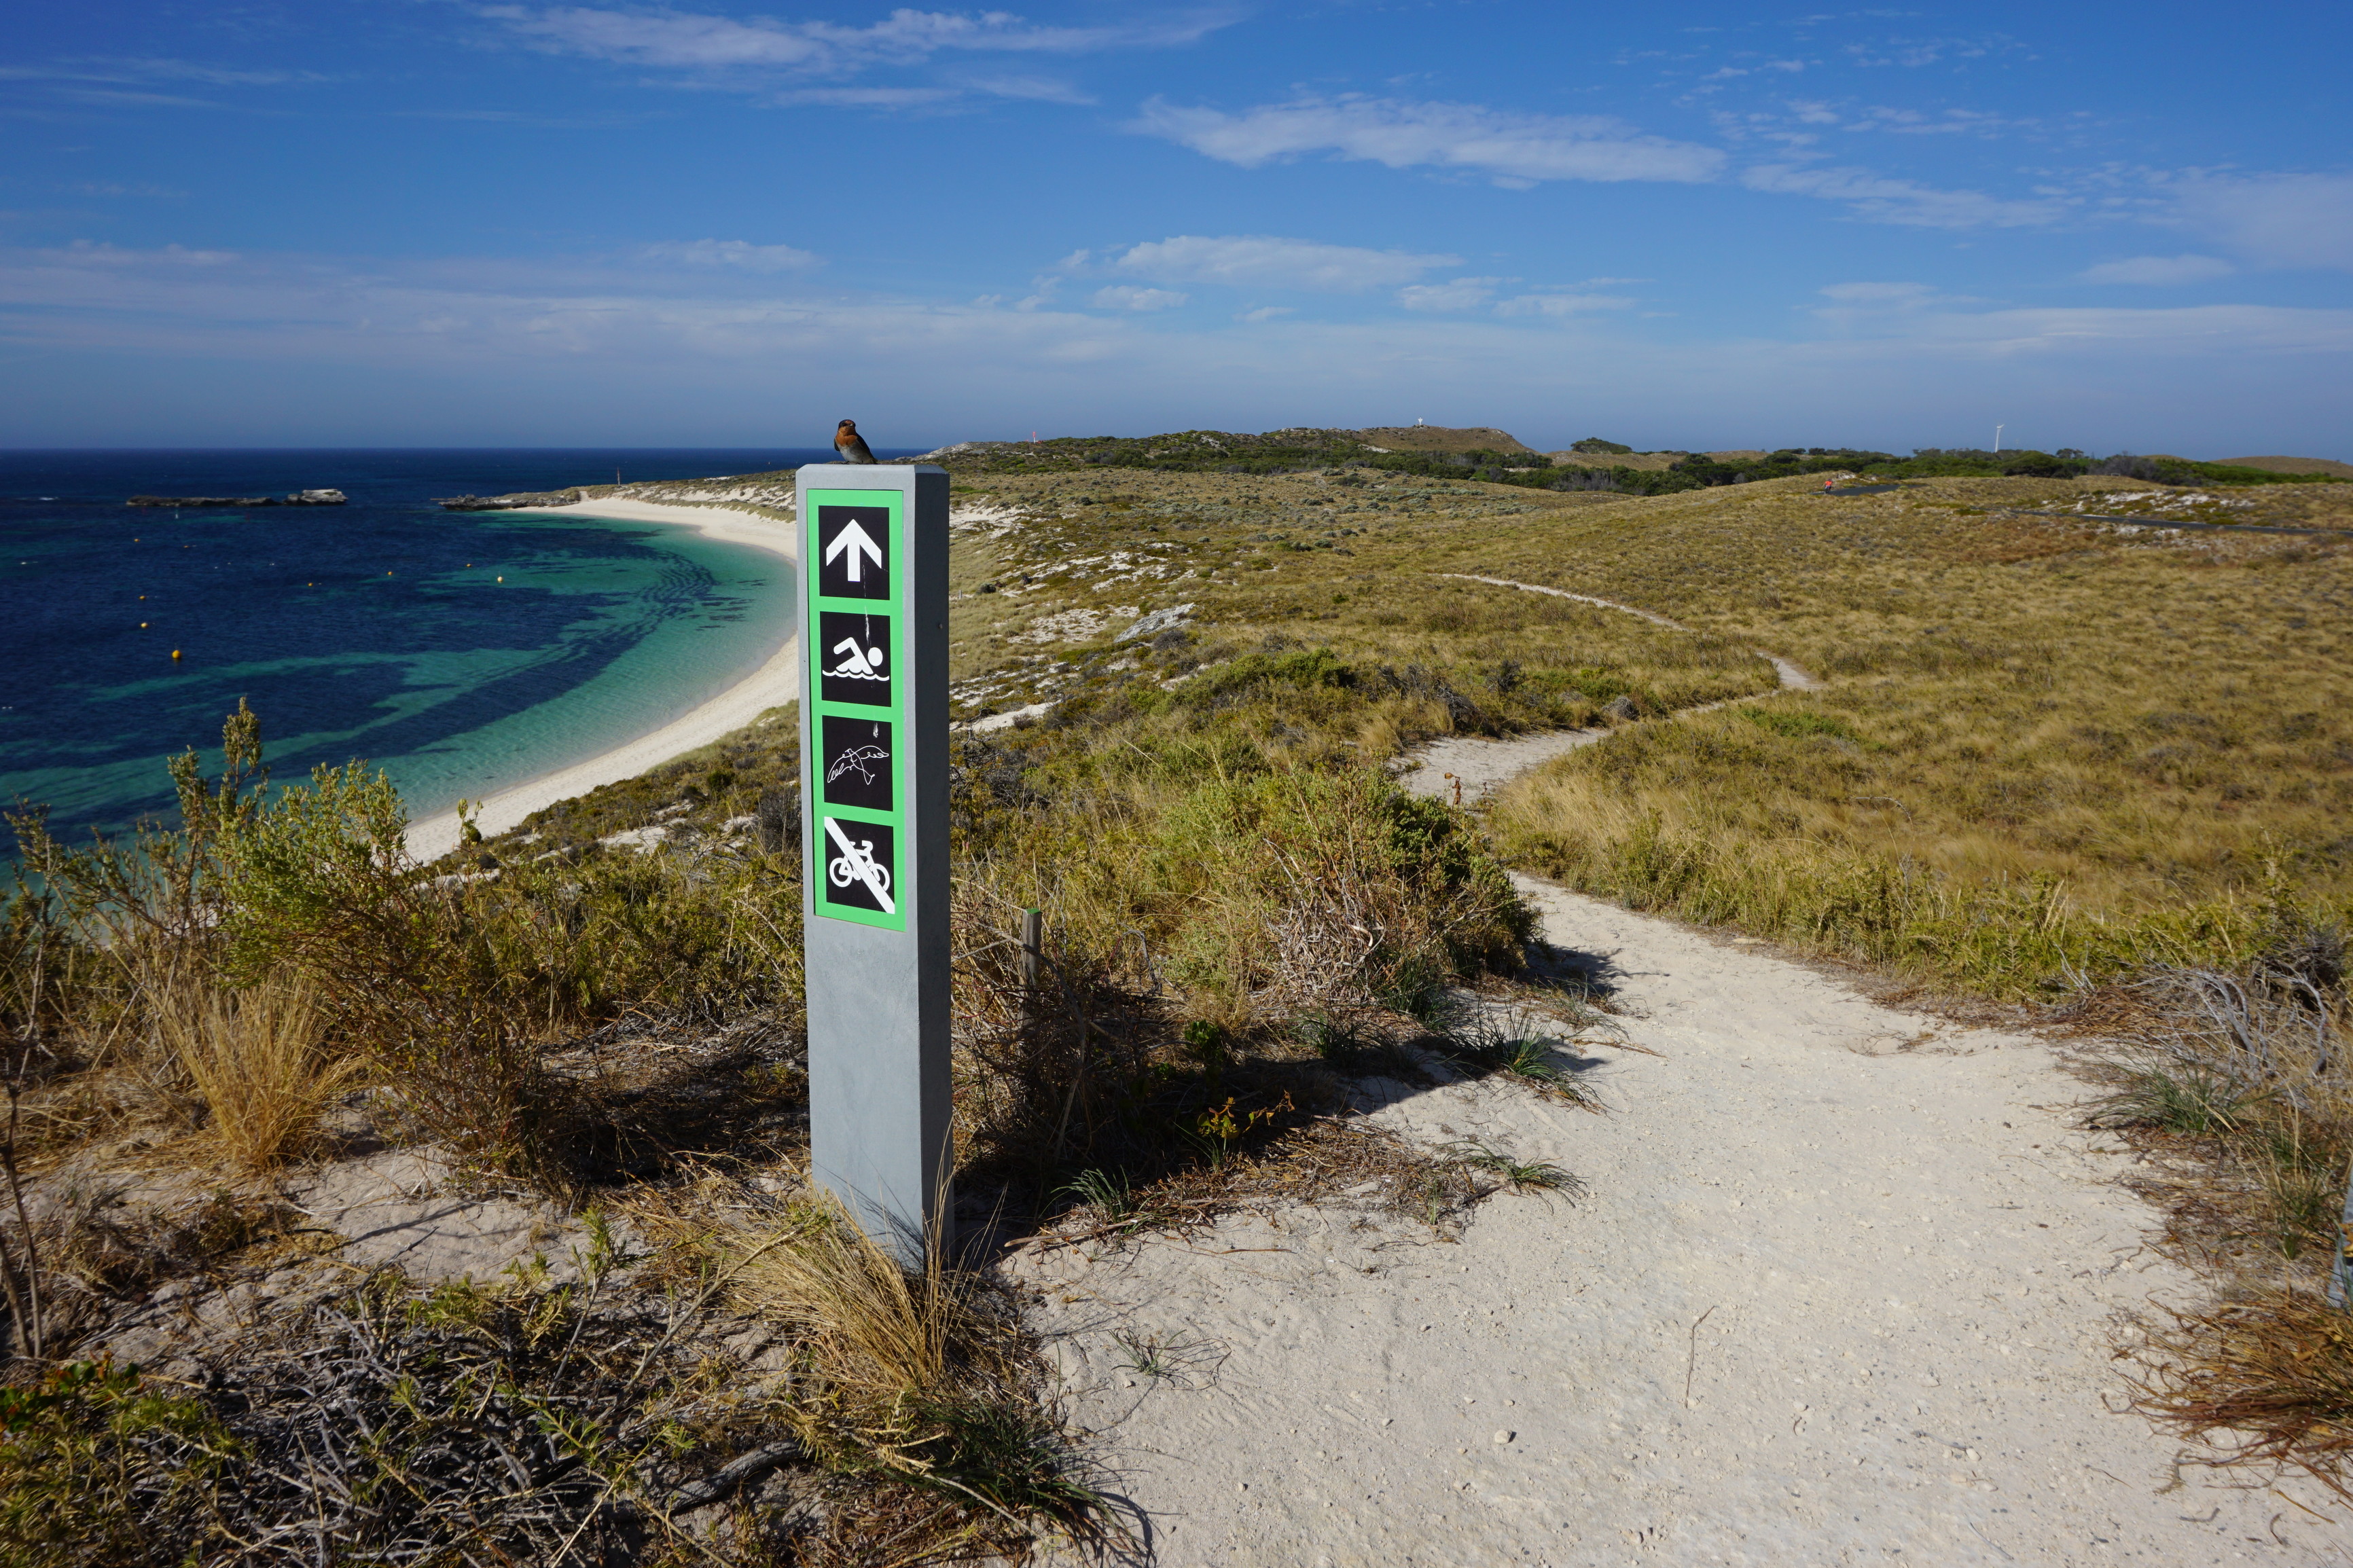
(856, 754)
(864, 759)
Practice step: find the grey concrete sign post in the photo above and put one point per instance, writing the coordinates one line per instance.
(874, 835)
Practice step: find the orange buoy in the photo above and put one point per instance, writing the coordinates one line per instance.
(175, 653)
(143, 626)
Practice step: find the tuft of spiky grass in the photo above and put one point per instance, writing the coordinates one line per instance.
(875, 1332)
(2184, 1099)
(911, 1372)
(1106, 1191)
(259, 1060)
(1177, 1358)
(1520, 1175)
(1515, 1045)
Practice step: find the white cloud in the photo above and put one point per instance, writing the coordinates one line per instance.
(1029, 88)
(1917, 52)
(739, 254)
(98, 253)
(1400, 134)
(1128, 297)
(1461, 294)
(1902, 201)
(1267, 313)
(125, 70)
(2278, 220)
(1882, 295)
(2197, 330)
(1265, 260)
(2158, 270)
(657, 39)
(1560, 304)
(867, 97)
(694, 41)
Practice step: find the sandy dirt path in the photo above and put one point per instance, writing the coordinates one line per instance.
(1480, 764)
(1873, 1247)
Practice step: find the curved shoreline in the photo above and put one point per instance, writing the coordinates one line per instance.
(776, 681)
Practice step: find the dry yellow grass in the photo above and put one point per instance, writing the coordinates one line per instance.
(2039, 743)
(258, 1059)
(1067, 561)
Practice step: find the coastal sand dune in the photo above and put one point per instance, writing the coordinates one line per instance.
(1841, 1288)
(776, 681)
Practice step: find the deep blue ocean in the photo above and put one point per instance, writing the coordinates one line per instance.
(461, 652)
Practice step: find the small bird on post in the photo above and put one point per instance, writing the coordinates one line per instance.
(850, 444)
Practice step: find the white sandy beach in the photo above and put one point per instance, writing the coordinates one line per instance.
(775, 682)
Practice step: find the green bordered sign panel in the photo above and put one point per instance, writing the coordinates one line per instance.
(860, 641)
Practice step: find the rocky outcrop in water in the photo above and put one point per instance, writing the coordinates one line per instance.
(298, 498)
(536, 501)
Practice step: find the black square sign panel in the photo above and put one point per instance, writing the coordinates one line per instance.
(853, 549)
(858, 858)
(853, 658)
(857, 753)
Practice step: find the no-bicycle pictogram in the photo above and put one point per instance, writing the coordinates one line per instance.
(858, 861)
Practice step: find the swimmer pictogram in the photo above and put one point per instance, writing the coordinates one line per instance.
(856, 663)
(854, 660)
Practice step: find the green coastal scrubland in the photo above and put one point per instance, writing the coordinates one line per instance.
(1493, 457)
(2054, 762)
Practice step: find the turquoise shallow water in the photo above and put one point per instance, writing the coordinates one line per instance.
(463, 653)
(657, 632)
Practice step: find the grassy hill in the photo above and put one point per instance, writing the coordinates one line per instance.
(2328, 466)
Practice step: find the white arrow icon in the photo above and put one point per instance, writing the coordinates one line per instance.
(853, 541)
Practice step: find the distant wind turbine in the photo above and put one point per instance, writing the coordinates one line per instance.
(1996, 437)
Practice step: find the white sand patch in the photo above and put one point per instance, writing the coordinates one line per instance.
(1840, 1290)
(993, 723)
(776, 682)
(999, 521)
(1075, 626)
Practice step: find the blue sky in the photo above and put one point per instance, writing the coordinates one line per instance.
(426, 222)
